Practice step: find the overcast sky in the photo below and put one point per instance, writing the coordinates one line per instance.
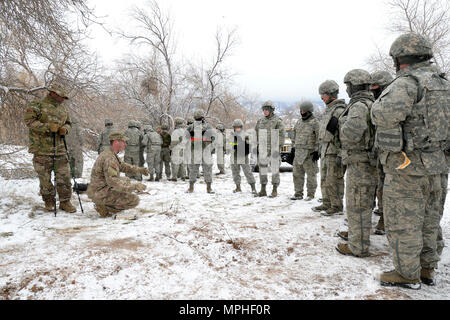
(287, 47)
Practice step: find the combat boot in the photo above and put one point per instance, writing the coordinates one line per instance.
(151, 178)
(427, 276)
(263, 192)
(208, 188)
(173, 179)
(274, 193)
(238, 188)
(102, 211)
(343, 235)
(395, 279)
(220, 173)
(344, 249)
(49, 205)
(379, 229)
(252, 185)
(320, 208)
(191, 187)
(67, 206)
(331, 212)
(297, 196)
(309, 198)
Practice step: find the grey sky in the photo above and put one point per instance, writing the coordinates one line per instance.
(287, 47)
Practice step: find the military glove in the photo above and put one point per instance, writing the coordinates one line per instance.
(144, 171)
(315, 156)
(54, 127)
(332, 125)
(62, 131)
(139, 187)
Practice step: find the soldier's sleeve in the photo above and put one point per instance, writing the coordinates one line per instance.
(394, 104)
(257, 131)
(338, 111)
(128, 168)
(144, 140)
(353, 128)
(68, 124)
(111, 171)
(32, 118)
(281, 132)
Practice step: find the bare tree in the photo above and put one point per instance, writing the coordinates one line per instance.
(430, 18)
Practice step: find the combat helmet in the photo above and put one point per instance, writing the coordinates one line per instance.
(59, 90)
(108, 122)
(190, 121)
(199, 114)
(268, 105)
(133, 124)
(179, 121)
(148, 128)
(220, 127)
(306, 106)
(164, 127)
(358, 77)
(411, 44)
(381, 78)
(329, 87)
(238, 123)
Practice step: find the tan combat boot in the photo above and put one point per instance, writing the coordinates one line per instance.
(427, 276)
(208, 188)
(102, 211)
(379, 229)
(238, 188)
(331, 212)
(191, 187)
(320, 208)
(344, 249)
(274, 193)
(343, 235)
(263, 192)
(49, 205)
(395, 279)
(297, 196)
(67, 206)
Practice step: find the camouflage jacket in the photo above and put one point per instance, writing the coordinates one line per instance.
(38, 116)
(354, 134)
(405, 123)
(105, 176)
(306, 138)
(152, 141)
(333, 109)
(270, 123)
(75, 139)
(179, 141)
(103, 139)
(239, 146)
(201, 131)
(134, 142)
(166, 139)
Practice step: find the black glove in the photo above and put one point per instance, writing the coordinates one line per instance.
(315, 156)
(332, 125)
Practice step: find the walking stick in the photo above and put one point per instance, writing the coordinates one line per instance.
(75, 184)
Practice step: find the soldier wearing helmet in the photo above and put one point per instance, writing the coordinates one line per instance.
(177, 146)
(412, 120)
(306, 143)
(331, 169)
(380, 80)
(356, 136)
(266, 127)
(75, 143)
(240, 149)
(165, 151)
(220, 154)
(201, 137)
(103, 138)
(133, 148)
(152, 142)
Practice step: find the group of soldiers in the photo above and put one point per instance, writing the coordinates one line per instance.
(391, 140)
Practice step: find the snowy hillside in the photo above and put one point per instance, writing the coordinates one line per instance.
(196, 246)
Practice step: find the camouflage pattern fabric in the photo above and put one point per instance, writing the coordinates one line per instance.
(380, 184)
(221, 154)
(440, 239)
(75, 143)
(178, 144)
(107, 187)
(165, 153)
(103, 142)
(152, 142)
(239, 157)
(132, 150)
(412, 193)
(202, 136)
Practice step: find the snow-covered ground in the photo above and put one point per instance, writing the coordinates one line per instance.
(189, 246)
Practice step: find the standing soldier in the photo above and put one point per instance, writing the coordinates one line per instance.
(152, 141)
(189, 122)
(331, 169)
(201, 138)
(267, 127)
(306, 141)
(239, 158)
(165, 150)
(110, 192)
(75, 145)
(380, 80)
(356, 136)
(221, 155)
(141, 147)
(48, 120)
(412, 118)
(177, 147)
(133, 147)
(103, 138)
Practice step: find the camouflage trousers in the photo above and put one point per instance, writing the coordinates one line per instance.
(178, 170)
(165, 162)
(194, 167)
(133, 159)
(221, 163)
(411, 215)
(264, 165)
(359, 197)
(236, 172)
(76, 163)
(154, 162)
(116, 201)
(440, 238)
(308, 167)
(43, 165)
(332, 182)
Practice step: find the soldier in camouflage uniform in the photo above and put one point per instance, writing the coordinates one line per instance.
(356, 136)
(380, 80)
(110, 192)
(75, 146)
(306, 142)
(180, 138)
(239, 157)
(331, 169)
(412, 118)
(103, 138)
(268, 154)
(48, 120)
(221, 155)
(133, 147)
(152, 141)
(165, 150)
(201, 135)
(142, 148)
